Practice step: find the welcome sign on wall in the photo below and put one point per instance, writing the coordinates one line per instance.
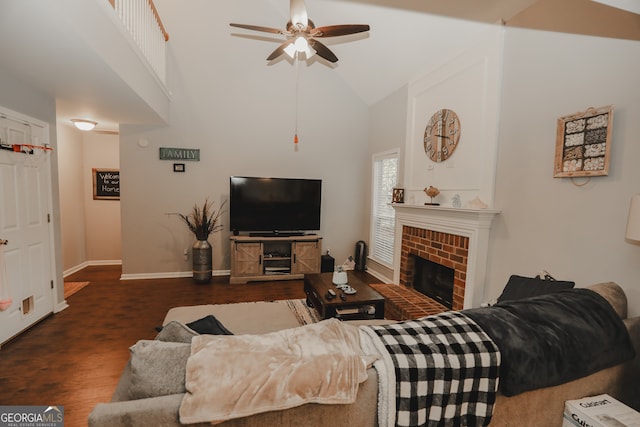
(106, 184)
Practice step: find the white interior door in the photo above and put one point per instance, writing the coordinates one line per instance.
(25, 194)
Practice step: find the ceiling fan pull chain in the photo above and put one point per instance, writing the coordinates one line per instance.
(297, 68)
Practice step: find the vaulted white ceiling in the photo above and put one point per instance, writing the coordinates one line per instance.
(39, 46)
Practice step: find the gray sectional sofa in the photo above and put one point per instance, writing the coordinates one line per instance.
(542, 406)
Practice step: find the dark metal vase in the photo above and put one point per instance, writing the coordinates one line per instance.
(202, 261)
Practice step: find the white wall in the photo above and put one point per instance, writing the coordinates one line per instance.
(91, 229)
(243, 120)
(102, 217)
(576, 233)
(70, 156)
(469, 84)
(388, 124)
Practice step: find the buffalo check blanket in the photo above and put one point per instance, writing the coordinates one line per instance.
(440, 370)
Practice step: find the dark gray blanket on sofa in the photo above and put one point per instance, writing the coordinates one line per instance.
(552, 339)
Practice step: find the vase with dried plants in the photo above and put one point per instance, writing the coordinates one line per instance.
(202, 222)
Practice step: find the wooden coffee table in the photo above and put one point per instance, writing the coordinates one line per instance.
(364, 304)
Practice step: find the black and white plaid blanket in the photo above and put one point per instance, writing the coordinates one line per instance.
(440, 370)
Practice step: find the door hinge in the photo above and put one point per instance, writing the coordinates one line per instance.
(52, 284)
(48, 217)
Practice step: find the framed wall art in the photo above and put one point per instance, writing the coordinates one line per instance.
(106, 184)
(583, 143)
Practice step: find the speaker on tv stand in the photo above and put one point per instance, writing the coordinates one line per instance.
(327, 263)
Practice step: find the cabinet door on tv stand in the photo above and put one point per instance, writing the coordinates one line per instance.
(306, 258)
(246, 259)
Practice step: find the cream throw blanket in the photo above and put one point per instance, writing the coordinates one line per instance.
(233, 376)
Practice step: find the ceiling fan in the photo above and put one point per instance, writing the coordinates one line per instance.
(302, 34)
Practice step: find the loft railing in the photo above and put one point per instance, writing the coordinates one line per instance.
(141, 18)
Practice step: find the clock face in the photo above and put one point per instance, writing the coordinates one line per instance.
(441, 135)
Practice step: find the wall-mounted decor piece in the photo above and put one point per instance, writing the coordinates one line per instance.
(583, 143)
(178, 167)
(106, 184)
(442, 134)
(180, 154)
(398, 195)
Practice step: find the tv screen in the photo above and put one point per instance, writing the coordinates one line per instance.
(273, 205)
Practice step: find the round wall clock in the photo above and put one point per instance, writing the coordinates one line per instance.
(441, 135)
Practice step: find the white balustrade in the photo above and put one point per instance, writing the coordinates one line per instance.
(142, 21)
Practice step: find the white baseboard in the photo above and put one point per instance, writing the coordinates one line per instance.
(168, 275)
(85, 264)
(60, 306)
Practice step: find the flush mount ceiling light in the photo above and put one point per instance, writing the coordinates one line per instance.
(84, 124)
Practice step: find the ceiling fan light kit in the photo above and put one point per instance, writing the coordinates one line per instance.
(300, 45)
(301, 34)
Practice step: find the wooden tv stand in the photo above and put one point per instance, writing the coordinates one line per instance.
(262, 258)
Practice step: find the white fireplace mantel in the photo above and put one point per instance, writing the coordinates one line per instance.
(472, 223)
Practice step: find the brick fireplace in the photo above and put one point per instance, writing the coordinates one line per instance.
(455, 238)
(441, 248)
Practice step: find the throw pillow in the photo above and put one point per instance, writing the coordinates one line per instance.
(158, 368)
(519, 287)
(175, 331)
(209, 325)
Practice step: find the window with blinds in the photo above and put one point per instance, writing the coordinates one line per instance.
(383, 222)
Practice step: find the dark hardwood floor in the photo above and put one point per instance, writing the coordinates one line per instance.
(74, 358)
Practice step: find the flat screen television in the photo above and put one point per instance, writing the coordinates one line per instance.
(274, 206)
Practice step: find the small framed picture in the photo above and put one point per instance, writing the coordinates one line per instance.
(398, 195)
(583, 143)
(178, 167)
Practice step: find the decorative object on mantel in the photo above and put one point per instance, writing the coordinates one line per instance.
(633, 223)
(583, 143)
(432, 192)
(456, 202)
(202, 222)
(476, 203)
(442, 134)
(398, 195)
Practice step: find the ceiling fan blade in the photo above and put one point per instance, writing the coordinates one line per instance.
(279, 50)
(322, 50)
(298, 12)
(258, 28)
(339, 30)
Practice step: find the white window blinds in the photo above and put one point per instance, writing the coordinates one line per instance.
(385, 172)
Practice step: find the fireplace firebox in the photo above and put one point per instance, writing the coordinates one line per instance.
(433, 280)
